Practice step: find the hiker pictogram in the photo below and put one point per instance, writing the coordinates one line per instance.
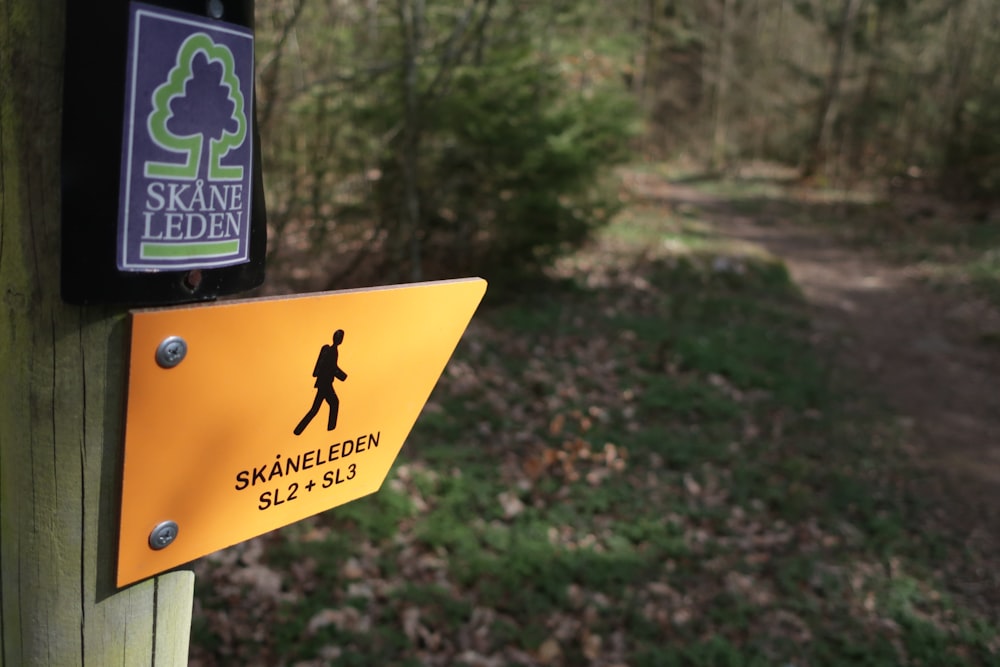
(326, 371)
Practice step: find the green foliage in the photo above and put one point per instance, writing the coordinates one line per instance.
(466, 147)
(510, 165)
(972, 158)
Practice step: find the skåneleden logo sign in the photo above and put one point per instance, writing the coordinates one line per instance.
(187, 150)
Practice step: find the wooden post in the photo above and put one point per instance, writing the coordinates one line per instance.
(61, 388)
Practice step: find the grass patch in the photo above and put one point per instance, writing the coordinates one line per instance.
(951, 245)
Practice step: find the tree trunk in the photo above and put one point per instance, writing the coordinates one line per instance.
(410, 19)
(60, 415)
(826, 113)
(723, 74)
(866, 121)
(962, 44)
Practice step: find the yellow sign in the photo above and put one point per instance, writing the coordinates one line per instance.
(246, 416)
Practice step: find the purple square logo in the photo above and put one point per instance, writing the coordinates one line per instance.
(187, 152)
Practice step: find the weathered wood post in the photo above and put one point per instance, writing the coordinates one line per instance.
(61, 389)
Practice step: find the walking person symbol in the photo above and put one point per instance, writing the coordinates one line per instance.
(326, 371)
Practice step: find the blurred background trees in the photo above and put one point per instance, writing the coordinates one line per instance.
(411, 139)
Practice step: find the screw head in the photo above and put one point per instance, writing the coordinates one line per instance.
(171, 351)
(163, 535)
(215, 9)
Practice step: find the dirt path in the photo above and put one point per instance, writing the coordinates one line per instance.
(923, 351)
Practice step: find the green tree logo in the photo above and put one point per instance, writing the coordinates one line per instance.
(200, 100)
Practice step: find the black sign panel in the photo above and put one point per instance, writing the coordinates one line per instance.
(162, 192)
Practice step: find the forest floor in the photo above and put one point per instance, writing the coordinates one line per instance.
(929, 347)
(750, 424)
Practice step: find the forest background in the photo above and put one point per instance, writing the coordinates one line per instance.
(730, 399)
(407, 139)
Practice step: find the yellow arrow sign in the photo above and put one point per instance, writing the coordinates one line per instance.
(246, 416)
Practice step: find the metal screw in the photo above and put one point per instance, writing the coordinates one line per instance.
(163, 535)
(192, 281)
(171, 351)
(215, 8)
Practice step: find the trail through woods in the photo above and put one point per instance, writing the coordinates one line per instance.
(926, 353)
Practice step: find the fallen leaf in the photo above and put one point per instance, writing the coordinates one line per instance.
(692, 485)
(411, 623)
(511, 504)
(550, 652)
(556, 425)
(591, 646)
(352, 569)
